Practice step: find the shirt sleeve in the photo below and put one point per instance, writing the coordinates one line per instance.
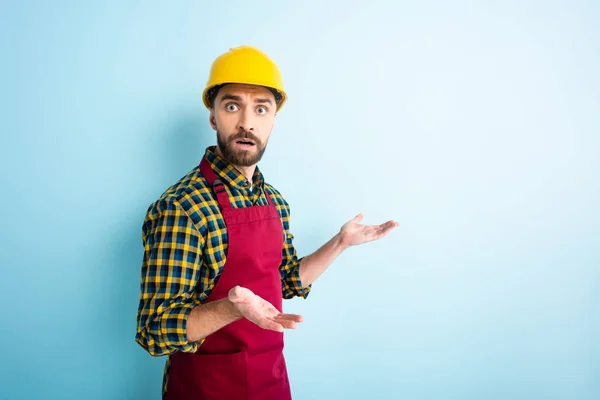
(290, 266)
(169, 275)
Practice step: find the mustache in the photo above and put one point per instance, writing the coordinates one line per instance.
(245, 135)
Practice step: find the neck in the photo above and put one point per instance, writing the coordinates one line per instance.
(248, 172)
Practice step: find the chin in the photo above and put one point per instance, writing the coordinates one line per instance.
(244, 158)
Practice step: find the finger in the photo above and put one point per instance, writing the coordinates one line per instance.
(358, 218)
(268, 309)
(378, 233)
(383, 234)
(388, 226)
(287, 324)
(289, 317)
(270, 325)
(378, 228)
(383, 231)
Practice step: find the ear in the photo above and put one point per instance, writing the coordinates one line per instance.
(212, 119)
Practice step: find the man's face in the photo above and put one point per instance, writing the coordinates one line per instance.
(243, 116)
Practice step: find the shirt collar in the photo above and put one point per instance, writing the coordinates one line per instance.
(229, 174)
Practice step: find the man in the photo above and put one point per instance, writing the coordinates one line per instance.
(218, 252)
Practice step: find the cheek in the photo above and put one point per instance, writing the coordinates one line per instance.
(225, 123)
(266, 126)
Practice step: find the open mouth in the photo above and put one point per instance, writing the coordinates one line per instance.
(245, 142)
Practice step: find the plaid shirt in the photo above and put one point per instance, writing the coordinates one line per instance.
(185, 245)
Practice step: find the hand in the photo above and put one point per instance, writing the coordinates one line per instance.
(260, 311)
(352, 233)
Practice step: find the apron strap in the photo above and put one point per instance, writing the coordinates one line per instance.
(216, 183)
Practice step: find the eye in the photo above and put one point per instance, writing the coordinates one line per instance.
(262, 110)
(231, 107)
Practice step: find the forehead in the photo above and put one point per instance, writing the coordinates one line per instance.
(244, 90)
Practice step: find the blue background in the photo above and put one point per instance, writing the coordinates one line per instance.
(474, 125)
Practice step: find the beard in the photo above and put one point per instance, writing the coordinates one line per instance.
(238, 157)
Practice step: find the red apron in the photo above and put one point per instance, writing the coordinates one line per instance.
(241, 361)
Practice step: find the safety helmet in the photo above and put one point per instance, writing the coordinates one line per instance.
(245, 65)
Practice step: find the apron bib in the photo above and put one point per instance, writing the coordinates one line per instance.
(241, 361)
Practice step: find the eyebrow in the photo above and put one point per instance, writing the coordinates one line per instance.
(263, 101)
(231, 97)
(239, 99)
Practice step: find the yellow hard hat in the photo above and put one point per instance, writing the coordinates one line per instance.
(248, 65)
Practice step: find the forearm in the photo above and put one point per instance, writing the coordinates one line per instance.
(312, 266)
(208, 318)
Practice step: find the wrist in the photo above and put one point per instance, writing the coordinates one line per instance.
(341, 241)
(231, 299)
(232, 309)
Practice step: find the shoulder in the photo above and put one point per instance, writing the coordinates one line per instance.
(276, 195)
(282, 205)
(187, 197)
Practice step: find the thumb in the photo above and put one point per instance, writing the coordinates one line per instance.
(238, 294)
(358, 218)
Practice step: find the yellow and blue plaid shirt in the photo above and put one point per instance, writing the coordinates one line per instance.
(185, 247)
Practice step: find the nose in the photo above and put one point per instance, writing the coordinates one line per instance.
(246, 121)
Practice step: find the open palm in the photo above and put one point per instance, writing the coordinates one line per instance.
(260, 311)
(353, 233)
